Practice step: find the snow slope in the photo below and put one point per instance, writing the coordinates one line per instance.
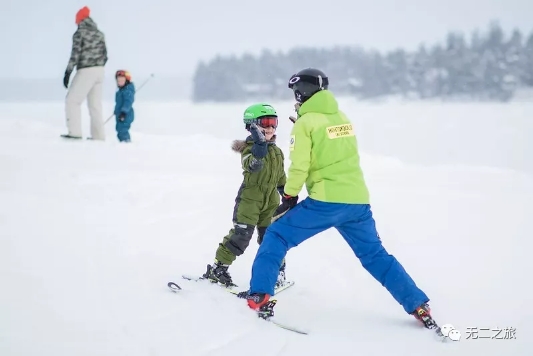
(91, 232)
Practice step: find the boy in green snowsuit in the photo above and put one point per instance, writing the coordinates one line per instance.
(259, 194)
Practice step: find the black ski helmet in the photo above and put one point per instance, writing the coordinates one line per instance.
(307, 82)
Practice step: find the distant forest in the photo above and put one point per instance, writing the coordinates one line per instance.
(488, 66)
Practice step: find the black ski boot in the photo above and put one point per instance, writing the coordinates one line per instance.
(218, 273)
(71, 137)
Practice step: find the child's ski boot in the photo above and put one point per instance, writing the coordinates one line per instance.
(218, 273)
(279, 283)
(281, 277)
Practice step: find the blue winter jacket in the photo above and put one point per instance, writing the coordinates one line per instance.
(124, 99)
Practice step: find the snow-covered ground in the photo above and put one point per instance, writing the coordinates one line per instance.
(91, 232)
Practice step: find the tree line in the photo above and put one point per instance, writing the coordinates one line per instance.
(488, 66)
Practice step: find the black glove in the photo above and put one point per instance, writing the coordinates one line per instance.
(257, 134)
(287, 203)
(66, 78)
(122, 116)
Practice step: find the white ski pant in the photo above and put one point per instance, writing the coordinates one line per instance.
(87, 84)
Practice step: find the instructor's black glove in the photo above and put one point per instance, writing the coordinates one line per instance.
(287, 203)
(122, 116)
(66, 78)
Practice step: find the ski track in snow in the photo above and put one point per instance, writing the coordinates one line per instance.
(91, 232)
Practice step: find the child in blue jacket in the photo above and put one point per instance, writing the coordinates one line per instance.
(124, 99)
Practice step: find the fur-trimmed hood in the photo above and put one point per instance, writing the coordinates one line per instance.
(239, 145)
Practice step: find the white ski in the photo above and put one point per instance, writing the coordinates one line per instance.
(232, 290)
(174, 287)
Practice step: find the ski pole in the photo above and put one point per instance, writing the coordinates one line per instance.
(136, 91)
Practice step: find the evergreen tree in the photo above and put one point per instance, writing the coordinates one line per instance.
(490, 67)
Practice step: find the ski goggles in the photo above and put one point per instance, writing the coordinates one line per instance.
(267, 121)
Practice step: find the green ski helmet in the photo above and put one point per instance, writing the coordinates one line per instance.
(261, 114)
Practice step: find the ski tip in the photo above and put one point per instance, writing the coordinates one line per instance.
(289, 328)
(173, 287)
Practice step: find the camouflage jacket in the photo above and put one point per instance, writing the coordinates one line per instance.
(88, 47)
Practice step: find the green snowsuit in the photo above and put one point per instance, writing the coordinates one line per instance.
(257, 199)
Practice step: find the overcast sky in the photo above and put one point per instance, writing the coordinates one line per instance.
(165, 36)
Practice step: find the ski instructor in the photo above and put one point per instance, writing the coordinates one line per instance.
(89, 56)
(324, 156)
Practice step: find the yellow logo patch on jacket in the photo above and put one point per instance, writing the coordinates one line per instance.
(339, 131)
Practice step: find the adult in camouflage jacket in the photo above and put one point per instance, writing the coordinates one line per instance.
(88, 56)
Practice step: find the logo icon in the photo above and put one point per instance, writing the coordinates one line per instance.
(449, 331)
(292, 142)
(294, 80)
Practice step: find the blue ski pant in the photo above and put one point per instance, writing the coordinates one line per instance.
(123, 129)
(356, 225)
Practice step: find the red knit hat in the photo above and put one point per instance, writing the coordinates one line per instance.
(82, 14)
